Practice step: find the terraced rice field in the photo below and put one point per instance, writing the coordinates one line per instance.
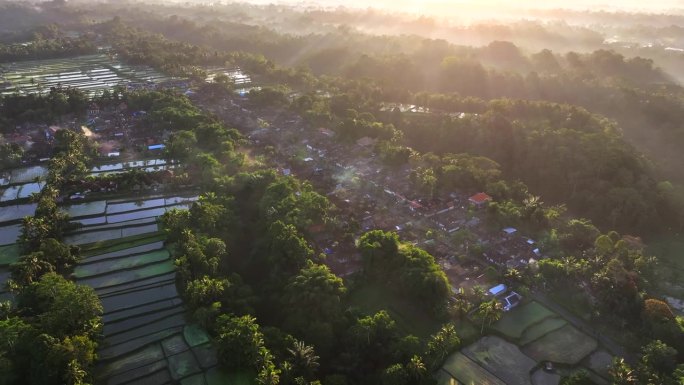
(91, 73)
(21, 191)
(9, 250)
(566, 345)
(468, 372)
(144, 165)
(521, 318)
(503, 359)
(146, 337)
(545, 336)
(20, 183)
(533, 335)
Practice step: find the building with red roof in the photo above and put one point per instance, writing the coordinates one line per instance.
(479, 199)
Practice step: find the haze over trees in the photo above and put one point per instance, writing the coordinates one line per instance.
(575, 138)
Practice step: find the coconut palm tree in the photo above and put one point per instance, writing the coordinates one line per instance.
(416, 368)
(621, 373)
(304, 359)
(489, 312)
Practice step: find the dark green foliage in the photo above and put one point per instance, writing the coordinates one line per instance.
(240, 343)
(579, 378)
(50, 256)
(405, 269)
(46, 108)
(312, 304)
(54, 342)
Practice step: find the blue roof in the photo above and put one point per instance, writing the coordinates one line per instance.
(156, 147)
(498, 289)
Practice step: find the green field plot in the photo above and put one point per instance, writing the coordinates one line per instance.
(373, 298)
(206, 356)
(195, 335)
(9, 254)
(138, 298)
(183, 365)
(161, 305)
(118, 350)
(126, 276)
(670, 253)
(174, 345)
(167, 323)
(150, 354)
(514, 323)
(128, 287)
(122, 263)
(146, 371)
(502, 359)
(467, 372)
(566, 345)
(124, 252)
(140, 320)
(670, 250)
(113, 245)
(541, 329)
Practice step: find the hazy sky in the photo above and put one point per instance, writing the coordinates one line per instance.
(454, 7)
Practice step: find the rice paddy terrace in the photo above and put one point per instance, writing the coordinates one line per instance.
(20, 183)
(146, 337)
(10, 228)
(528, 337)
(91, 73)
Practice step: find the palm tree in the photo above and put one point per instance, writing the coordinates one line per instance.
(513, 276)
(621, 373)
(304, 359)
(416, 368)
(489, 312)
(460, 307)
(532, 207)
(441, 344)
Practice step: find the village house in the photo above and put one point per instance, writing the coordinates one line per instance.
(479, 199)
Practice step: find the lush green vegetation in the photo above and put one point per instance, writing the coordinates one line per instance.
(566, 128)
(46, 47)
(50, 333)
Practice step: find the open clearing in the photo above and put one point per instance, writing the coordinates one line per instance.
(566, 345)
(503, 359)
(468, 372)
(514, 323)
(541, 329)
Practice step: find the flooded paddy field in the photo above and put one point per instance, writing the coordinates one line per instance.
(91, 73)
(147, 338)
